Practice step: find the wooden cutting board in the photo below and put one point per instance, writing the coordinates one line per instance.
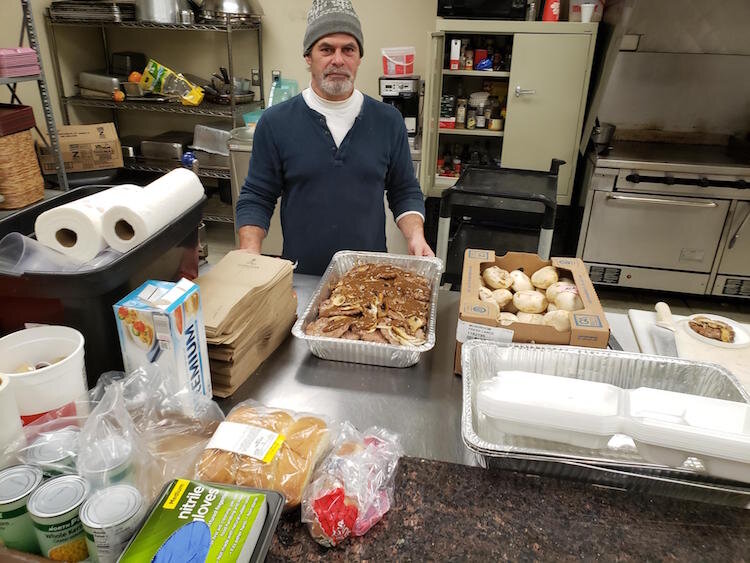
(735, 360)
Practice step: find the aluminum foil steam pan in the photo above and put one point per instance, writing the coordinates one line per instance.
(371, 353)
(619, 464)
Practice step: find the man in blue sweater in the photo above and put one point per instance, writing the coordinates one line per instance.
(331, 153)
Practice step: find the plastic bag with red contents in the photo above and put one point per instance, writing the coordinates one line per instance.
(353, 486)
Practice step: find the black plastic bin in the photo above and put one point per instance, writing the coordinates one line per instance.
(84, 300)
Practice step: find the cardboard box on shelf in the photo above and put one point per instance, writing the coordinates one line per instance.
(589, 325)
(84, 147)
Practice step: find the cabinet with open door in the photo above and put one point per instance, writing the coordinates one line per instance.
(532, 90)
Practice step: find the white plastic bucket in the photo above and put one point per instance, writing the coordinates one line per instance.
(398, 61)
(48, 388)
(10, 422)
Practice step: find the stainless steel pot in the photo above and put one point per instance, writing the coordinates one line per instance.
(218, 9)
(160, 11)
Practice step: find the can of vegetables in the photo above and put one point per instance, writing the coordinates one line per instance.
(54, 510)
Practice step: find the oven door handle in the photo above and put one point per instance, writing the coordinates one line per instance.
(736, 236)
(672, 202)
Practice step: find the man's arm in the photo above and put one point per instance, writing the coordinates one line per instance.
(260, 191)
(251, 238)
(411, 226)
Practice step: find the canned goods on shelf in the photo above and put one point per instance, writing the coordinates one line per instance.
(17, 484)
(54, 509)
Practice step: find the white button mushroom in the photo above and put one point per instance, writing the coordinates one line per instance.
(531, 318)
(521, 281)
(502, 297)
(556, 288)
(559, 319)
(568, 301)
(530, 301)
(497, 278)
(544, 277)
(506, 319)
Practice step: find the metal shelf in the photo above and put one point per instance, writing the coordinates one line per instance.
(482, 73)
(17, 79)
(216, 211)
(205, 108)
(235, 25)
(472, 132)
(218, 173)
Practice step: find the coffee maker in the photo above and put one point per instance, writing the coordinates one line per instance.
(403, 94)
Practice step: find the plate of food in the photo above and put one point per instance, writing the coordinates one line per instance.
(717, 330)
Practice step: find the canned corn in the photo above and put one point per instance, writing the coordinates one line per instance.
(16, 486)
(110, 517)
(55, 452)
(54, 508)
(107, 463)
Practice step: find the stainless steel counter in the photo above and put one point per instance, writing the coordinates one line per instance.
(421, 403)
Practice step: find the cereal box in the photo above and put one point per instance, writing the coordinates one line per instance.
(162, 331)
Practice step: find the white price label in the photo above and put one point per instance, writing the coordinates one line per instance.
(243, 439)
(468, 331)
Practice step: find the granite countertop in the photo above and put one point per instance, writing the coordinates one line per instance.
(453, 512)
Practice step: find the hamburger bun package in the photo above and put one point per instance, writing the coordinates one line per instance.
(353, 486)
(266, 448)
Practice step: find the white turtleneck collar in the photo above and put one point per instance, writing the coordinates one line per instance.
(339, 116)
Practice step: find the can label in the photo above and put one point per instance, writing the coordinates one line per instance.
(63, 541)
(106, 544)
(17, 530)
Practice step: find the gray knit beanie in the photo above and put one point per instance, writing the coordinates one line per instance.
(327, 17)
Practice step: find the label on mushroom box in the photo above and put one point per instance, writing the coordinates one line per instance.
(468, 331)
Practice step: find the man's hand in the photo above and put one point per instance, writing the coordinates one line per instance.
(412, 227)
(251, 238)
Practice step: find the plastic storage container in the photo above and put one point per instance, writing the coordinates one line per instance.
(398, 61)
(84, 300)
(667, 427)
(55, 376)
(619, 464)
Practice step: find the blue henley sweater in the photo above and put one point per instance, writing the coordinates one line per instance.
(331, 198)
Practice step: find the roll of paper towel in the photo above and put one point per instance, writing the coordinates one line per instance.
(10, 420)
(129, 224)
(75, 229)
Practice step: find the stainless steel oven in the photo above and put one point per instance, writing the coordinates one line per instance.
(668, 217)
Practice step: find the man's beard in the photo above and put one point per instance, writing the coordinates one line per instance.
(336, 86)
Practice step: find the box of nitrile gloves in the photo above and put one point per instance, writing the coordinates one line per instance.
(161, 330)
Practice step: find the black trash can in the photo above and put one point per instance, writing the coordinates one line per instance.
(84, 300)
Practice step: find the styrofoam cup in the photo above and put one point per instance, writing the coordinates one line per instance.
(587, 11)
(47, 388)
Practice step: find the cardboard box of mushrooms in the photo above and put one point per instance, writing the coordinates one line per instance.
(519, 297)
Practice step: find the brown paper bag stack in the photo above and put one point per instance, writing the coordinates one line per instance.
(249, 308)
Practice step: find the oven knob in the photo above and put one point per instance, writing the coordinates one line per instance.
(633, 178)
(703, 182)
(668, 180)
(742, 184)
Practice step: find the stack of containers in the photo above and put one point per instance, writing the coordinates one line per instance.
(667, 427)
(18, 61)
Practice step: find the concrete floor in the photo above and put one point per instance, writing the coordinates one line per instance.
(220, 238)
